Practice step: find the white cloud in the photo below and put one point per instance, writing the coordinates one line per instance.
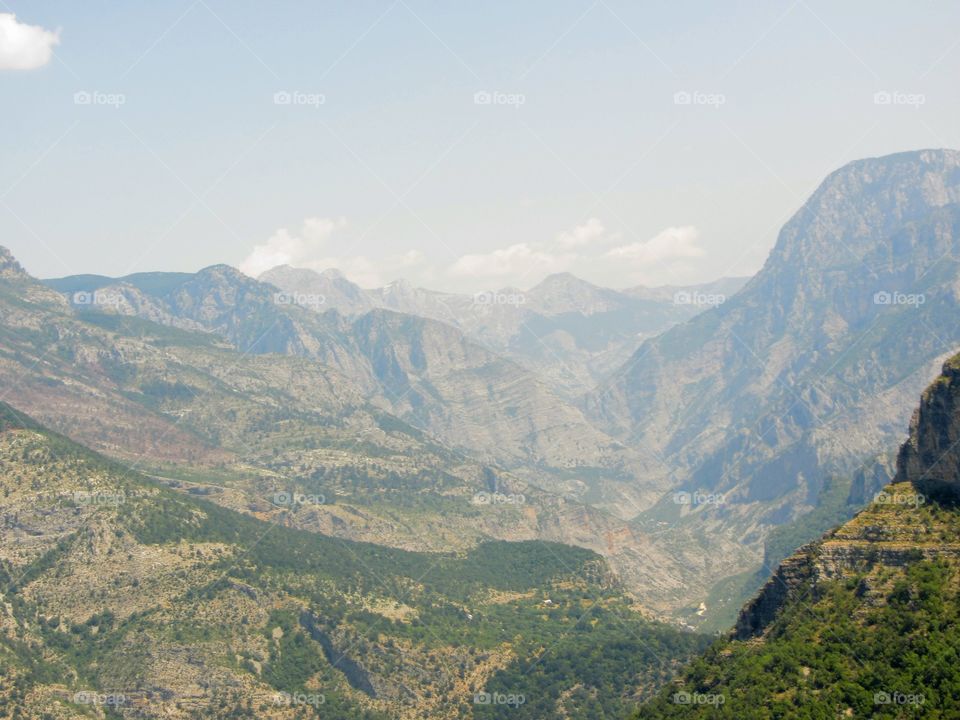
(24, 47)
(283, 248)
(581, 235)
(587, 250)
(673, 243)
(513, 263)
(527, 263)
(313, 247)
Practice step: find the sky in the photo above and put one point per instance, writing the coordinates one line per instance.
(462, 146)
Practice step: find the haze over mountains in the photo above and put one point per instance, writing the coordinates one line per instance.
(755, 398)
(572, 333)
(441, 429)
(421, 370)
(591, 360)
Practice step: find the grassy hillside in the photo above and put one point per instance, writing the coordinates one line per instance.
(123, 598)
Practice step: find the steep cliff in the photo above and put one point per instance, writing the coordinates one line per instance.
(930, 458)
(815, 365)
(864, 622)
(893, 530)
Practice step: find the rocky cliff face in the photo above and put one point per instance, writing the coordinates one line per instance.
(903, 525)
(794, 575)
(813, 366)
(930, 459)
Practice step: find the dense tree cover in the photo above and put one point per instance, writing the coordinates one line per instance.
(598, 667)
(845, 653)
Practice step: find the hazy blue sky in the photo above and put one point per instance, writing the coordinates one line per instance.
(387, 163)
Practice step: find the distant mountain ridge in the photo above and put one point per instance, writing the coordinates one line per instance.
(569, 331)
(424, 371)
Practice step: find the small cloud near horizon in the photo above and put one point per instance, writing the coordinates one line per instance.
(588, 250)
(313, 247)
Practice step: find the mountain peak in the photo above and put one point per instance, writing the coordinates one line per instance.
(282, 274)
(562, 279)
(863, 200)
(222, 270)
(564, 292)
(279, 269)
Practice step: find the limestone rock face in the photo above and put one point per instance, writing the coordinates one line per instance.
(813, 367)
(793, 576)
(930, 459)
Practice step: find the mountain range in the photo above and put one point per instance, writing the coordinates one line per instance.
(424, 371)
(124, 598)
(568, 331)
(225, 496)
(778, 400)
